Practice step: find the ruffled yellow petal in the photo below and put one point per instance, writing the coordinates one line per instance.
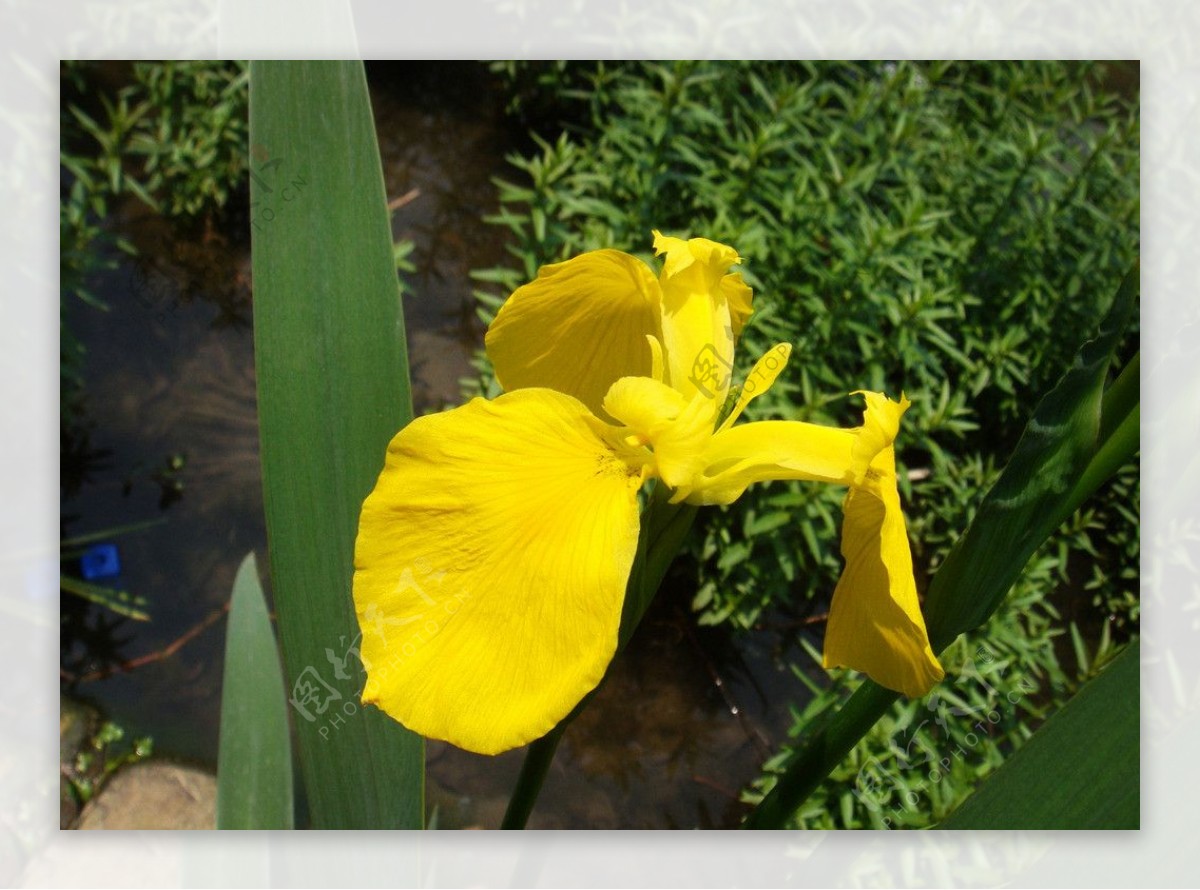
(643, 404)
(697, 327)
(881, 424)
(676, 428)
(578, 327)
(490, 568)
(875, 624)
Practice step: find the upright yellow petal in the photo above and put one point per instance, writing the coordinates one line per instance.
(490, 568)
(875, 624)
(697, 326)
(578, 327)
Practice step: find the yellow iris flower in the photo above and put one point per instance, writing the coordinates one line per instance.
(493, 554)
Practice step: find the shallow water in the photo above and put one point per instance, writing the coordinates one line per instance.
(170, 374)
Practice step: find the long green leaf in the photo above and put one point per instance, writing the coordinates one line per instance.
(1080, 770)
(254, 760)
(333, 389)
(1060, 460)
(1030, 499)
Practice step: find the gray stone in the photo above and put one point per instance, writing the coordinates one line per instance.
(154, 795)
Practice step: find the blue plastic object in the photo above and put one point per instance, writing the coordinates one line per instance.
(100, 561)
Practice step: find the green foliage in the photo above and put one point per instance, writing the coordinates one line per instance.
(925, 757)
(1090, 750)
(174, 138)
(194, 146)
(105, 753)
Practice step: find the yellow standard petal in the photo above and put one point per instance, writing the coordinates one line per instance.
(578, 327)
(697, 325)
(875, 623)
(490, 568)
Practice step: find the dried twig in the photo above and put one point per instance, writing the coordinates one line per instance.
(150, 657)
(407, 198)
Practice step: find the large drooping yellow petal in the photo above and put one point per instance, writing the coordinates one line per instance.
(578, 327)
(490, 568)
(697, 326)
(875, 624)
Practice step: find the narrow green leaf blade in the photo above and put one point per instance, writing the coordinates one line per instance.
(1080, 770)
(119, 601)
(1033, 494)
(107, 533)
(254, 760)
(333, 389)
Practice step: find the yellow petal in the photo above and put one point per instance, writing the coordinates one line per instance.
(739, 296)
(771, 449)
(761, 378)
(875, 624)
(881, 424)
(697, 328)
(738, 456)
(578, 327)
(677, 429)
(490, 569)
(643, 404)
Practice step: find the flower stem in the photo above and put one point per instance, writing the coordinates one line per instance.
(533, 773)
(817, 759)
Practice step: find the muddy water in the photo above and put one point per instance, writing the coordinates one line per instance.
(682, 723)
